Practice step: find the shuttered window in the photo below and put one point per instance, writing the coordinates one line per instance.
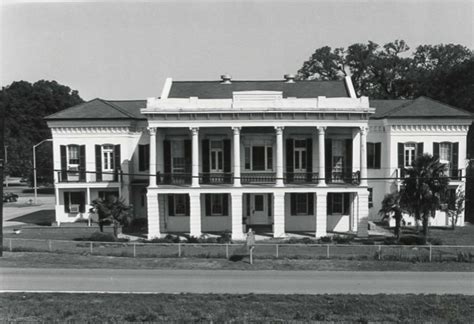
(143, 157)
(373, 155)
(302, 204)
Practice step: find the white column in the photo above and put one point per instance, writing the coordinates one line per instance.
(195, 214)
(279, 215)
(237, 231)
(152, 131)
(279, 156)
(363, 156)
(322, 167)
(236, 144)
(363, 214)
(355, 212)
(321, 214)
(195, 149)
(153, 214)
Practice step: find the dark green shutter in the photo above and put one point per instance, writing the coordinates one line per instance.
(436, 150)
(82, 205)
(419, 149)
(270, 204)
(206, 168)
(454, 168)
(98, 163)
(348, 162)
(225, 203)
(328, 158)
(63, 151)
(378, 155)
(289, 160)
(141, 157)
(329, 204)
(401, 155)
(227, 161)
(293, 203)
(310, 203)
(188, 156)
(82, 163)
(170, 205)
(167, 161)
(66, 202)
(117, 161)
(346, 202)
(207, 202)
(248, 204)
(309, 159)
(188, 205)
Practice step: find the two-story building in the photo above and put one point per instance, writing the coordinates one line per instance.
(281, 156)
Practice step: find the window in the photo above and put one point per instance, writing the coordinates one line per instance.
(178, 161)
(337, 160)
(445, 152)
(74, 202)
(373, 155)
(410, 154)
(259, 158)
(107, 157)
(302, 204)
(180, 205)
(300, 156)
(144, 157)
(337, 204)
(217, 204)
(217, 156)
(73, 155)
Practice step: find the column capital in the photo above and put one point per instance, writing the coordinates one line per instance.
(236, 130)
(364, 130)
(152, 131)
(194, 130)
(321, 130)
(279, 129)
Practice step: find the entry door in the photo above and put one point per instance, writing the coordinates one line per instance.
(259, 212)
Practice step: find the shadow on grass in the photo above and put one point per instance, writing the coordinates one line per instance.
(41, 217)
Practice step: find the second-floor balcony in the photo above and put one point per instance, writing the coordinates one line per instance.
(78, 175)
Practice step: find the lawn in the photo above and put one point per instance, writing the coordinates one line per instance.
(222, 308)
(56, 260)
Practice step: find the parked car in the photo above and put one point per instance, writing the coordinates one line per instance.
(9, 197)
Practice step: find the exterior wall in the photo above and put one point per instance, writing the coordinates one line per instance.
(300, 223)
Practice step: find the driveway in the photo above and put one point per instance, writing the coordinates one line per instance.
(234, 282)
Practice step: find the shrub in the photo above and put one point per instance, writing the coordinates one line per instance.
(101, 237)
(412, 240)
(325, 239)
(390, 241)
(342, 239)
(192, 239)
(224, 238)
(435, 241)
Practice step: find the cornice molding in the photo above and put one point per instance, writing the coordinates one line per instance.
(95, 130)
(429, 128)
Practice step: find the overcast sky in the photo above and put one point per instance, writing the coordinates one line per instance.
(125, 50)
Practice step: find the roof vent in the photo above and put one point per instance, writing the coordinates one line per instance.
(226, 79)
(290, 78)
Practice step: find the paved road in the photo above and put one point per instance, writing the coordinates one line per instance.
(235, 282)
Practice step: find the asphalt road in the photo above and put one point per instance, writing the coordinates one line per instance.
(234, 281)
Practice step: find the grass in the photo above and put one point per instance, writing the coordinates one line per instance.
(56, 260)
(43, 217)
(223, 308)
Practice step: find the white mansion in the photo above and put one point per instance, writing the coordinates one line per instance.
(282, 156)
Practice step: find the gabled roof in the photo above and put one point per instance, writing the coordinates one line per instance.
(102, 109)
(219, 90)
(421, 107)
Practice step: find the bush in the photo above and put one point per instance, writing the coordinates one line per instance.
(390, 241)
(435, 241)
(342, 239)
(325, 239)
(412, 240)
(192, 239)
(101, 237)
(225, 238)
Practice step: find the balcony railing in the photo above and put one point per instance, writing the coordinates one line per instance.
(216, 178)
(258, 177)
(89, 176)
(344, 178)
(453, 174)
(301, 177)
(173, 178)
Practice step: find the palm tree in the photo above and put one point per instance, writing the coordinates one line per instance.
(424, 189)
(112, 211)
(391, 207)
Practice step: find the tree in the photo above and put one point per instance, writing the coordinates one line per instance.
(25, 107)
(391, 207)
(455, 206)
(424, 189)
(112, 210)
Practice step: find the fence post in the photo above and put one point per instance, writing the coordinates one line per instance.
(327, 251)
(227, 251)
(251, 255)
(10, 245)
(380, 252)
(91, 247)
(430, 254)
(50, 248)
(179, 250)
(134, 250)
(276, 251)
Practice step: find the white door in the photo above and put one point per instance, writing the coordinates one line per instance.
(259, 209)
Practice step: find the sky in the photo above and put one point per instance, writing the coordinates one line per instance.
(126, 49)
